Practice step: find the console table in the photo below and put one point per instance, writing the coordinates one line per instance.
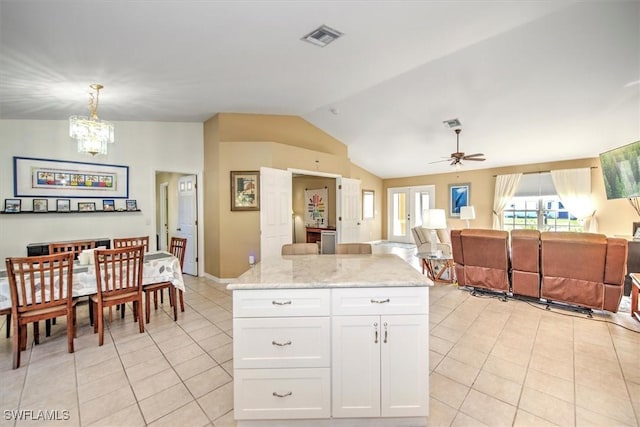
(42, 248)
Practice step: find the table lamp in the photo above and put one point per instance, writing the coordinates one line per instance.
(467, 213)
(434, 219)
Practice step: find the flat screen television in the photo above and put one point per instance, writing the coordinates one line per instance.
(621, 171)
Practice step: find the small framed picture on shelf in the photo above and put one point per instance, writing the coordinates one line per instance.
(41, 205)
(108, 205)
(12, 205)
(63, 205)
(86, 206)
(132, 205)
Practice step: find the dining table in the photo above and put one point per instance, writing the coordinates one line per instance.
(158, 267)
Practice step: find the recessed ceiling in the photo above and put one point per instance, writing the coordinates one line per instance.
(531, 81)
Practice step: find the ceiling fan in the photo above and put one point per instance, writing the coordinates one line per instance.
(457, 157)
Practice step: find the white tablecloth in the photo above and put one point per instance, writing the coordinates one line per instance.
(158, 267)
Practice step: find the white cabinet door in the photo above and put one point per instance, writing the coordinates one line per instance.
(404, 353)
(356, 366)
(380, 366)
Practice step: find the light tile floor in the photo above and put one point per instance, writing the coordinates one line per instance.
(492, 363)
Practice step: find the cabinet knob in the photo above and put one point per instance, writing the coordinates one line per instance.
(281, 344)
(276, 394)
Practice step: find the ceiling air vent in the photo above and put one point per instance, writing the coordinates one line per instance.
(322, 36)
(453, 123)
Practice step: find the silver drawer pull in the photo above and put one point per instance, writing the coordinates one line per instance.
(280, 344)
(281, 302)
(380, 301)
(276, 394)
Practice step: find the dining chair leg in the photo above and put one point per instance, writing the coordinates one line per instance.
(172, 297)
(140, 319)
(147, 307)
(36, 332)
(70, 330)
(162, 296)
(181, 300)
(122, 306)
(17, 345)
(8, 325)
(23, 336)
(47, 328)
(94, 308)
(100, 322)
(155, 300)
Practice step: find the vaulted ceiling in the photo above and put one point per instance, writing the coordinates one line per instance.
(531, 81)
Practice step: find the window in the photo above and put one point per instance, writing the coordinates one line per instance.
(537, 206)
(539, 213)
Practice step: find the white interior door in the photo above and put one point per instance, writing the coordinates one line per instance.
(405, 206)
(348, 210)
(275, 211)
(187, 221)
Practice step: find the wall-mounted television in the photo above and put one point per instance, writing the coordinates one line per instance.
(621, 171)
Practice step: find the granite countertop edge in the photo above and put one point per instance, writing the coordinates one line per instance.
(321, 285)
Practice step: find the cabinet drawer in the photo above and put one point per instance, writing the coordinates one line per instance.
(281, 302)
(277, 342)
(281, 393)
(367, 301)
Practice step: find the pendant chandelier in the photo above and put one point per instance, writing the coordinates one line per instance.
(92, 134)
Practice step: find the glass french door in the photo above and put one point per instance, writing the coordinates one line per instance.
(405, 206)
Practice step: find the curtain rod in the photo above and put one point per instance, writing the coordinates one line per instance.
(547, 171)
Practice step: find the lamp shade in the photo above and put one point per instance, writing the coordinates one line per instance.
(467, 212)
(434, 219)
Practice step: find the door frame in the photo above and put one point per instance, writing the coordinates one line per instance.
(410, 208)
(153, 221)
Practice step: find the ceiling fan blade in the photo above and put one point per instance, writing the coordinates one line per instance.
(477, 159)
(473, 155)
(440, 161)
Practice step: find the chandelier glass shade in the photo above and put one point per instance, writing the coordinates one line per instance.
(92, 134)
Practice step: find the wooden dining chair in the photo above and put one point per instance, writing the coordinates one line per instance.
(118, 281)
(177, 247)
(124, 242)
(353, 248)
(300, 249)
(41, 288)
(75, 247)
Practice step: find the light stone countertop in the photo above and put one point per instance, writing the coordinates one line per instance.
(330, 271)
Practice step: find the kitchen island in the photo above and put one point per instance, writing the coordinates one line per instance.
(331, 340)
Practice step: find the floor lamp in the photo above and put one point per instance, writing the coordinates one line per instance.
(434, 219)
(467, 213)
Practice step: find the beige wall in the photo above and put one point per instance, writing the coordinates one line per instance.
(247, 142)
(615, 217)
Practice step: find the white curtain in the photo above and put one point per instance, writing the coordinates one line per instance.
(506, 186)
(574, 189)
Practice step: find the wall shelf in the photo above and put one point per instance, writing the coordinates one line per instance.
(69, 212)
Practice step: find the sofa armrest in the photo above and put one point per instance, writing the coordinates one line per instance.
(615, 268)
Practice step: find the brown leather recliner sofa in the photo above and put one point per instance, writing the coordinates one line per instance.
(481, 258)
(583, 269)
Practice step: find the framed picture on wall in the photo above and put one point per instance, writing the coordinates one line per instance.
(459, 196)
(86, 206)
(245, 190)
(12, 205)
(40, 205)
(108, 205)
(132, 205)
(63, 205)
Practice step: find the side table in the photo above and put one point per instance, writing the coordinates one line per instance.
(429, 262)
(635, 289)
